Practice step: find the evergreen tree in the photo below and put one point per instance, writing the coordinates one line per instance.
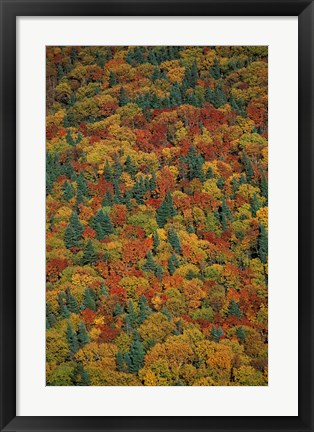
(108, 199)
(112, 79)
(234, 309)
(50, 317)
(220, 183)
(216, 333)
(156, 241)
(82, 376)
(139, 190)
(263, 244)
(175, 95)
(136, 356)
(130, 166)
(107, 171)
(165, 211)
(99, 231)
(69, 138)
(138, 55)
(255, 204)
(60, 72)
(264, 187)
(150, 264)
(118, 310)
(209, 173)
(107, 225)
(72, 340)
(123, 98)
(159, 271)
(145, 310)
(89, 256)
(174, 240)
(82, 336)
(194, 163)
(117, 168)
(76, 225)
(127, 200)
(151, 58)
(173, 264)
(82, 189)
(131, 317)
(215, 70)
(235, 186)
(71, 302)
(73, 55)
(247, 166)
(167, 313)
(70, 237)
(241, 334)
(194, 74)
(225, 211)
(152, 182)
(89, 301)
(64, 312)
(100, 59)
(219, 97)
(68, 191)
(190, 229)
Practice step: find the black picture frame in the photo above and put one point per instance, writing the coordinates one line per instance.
(9, 11)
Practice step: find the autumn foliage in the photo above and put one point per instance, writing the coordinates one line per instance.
(157, 216)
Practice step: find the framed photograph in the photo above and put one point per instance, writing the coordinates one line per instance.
(156, 215)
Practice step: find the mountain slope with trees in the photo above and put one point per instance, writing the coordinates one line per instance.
(157, 216)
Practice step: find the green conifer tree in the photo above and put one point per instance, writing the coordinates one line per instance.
(194, 74)
(263, 244)
(106, 225)
(136, 356)
(209, 173)
(70, 237)
(156, 241)
(234, 309)
(159, 271)
(150, 264)
(241, 334)
(175, 95)
(64, 311)
(264, 187)
(89, 255)
(89, 301)
(71, 302)
(130, 166)
(112, 79)
(255, 204)
(68, 191)
(165, 211)
(215, 70)
(107, 171)
(123, 98)
(248, 167)
(108, 199)
(174, 240)
(72, 340)
(173, 264)
(82, 336)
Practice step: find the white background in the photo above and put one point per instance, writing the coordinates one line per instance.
(280, 397)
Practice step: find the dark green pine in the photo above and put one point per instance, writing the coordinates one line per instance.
(82, 335)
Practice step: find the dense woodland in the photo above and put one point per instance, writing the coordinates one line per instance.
(156, 216)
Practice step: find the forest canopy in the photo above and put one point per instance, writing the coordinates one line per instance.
(157, 216)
